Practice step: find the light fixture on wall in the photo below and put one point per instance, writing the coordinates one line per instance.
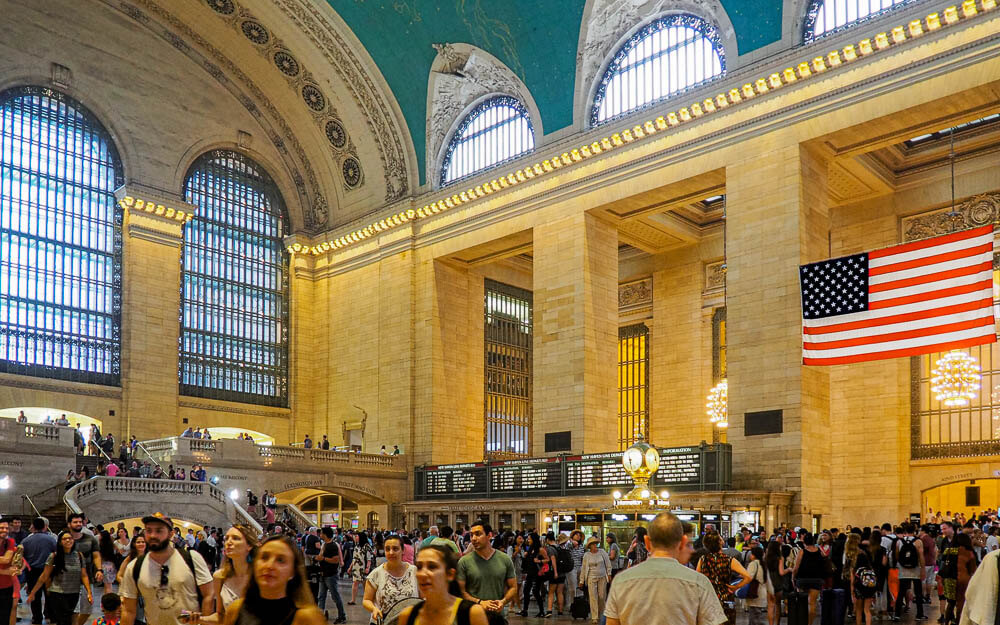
(718, 404)
(955, 379)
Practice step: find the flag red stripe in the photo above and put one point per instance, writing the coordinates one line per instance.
(913, 316)
(925, 243)
(923, 297)
(905, 334)
(900, 353)
(931, 277)
(930, 260)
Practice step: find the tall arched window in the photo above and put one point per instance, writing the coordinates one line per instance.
(234, 301)
(60, 240)
(667, 56)
(826, 16)
(496, 131)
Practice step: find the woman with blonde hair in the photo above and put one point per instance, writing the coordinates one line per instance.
(278, 591)
(230, 582)
(860, 575)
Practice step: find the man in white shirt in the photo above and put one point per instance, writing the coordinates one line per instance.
(167, 581)
(662, 589)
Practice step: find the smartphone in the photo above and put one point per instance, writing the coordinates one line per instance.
(184, 616)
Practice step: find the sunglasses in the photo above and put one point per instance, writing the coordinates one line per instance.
(164, 575)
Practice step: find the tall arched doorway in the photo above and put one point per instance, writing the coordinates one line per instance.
(968, 497)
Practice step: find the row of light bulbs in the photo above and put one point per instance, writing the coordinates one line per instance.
(835, 58)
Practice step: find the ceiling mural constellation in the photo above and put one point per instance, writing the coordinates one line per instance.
(368, 97)
(320, 107)
(315, 209)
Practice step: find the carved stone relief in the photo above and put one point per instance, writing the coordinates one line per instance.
(461, 75)
(634, 295)
(715, 276)
(609, 21)
(978, 210)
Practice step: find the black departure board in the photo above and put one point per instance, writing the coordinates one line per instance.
(681, 465)
(532, 475)
(454, 479)
(596, 472)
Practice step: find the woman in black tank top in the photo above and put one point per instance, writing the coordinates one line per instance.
(278, 593)
(436, 570)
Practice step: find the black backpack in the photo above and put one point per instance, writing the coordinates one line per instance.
(909, 557)
(137, 568)
(564, 561)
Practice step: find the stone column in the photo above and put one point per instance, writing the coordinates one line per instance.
(576, 333)
(151, 301)
(777, 219)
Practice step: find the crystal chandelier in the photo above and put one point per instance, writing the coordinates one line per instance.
(718, 404)
(955, 379)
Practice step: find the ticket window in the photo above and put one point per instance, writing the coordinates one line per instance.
(423, 522)
(505, 521)
(482, 517)
(690, 517)
(622, 525)
(461, 521)
(591, 523)
(566, 523)
(528, 521)
(746, 518)
(715, 520)
(440, 519)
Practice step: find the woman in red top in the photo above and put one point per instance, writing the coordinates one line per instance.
(719, 569)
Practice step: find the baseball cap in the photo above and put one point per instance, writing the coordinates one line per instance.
(158, 517)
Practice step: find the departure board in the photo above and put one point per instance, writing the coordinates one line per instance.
(532, 475)
(455, 479)
(596, 472)
(681, 465)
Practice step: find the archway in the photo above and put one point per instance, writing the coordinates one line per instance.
(36, 414)
(324, 508)
(968, 497)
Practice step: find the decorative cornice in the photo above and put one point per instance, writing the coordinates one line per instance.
(152, 207)
(70, 389)
(183, 403)
(805, 70)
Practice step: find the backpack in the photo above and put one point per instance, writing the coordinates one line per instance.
(185, 554)
(865, 578)
(564, 561)
(908, 557)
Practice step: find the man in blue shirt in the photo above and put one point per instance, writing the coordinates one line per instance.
(37, 548)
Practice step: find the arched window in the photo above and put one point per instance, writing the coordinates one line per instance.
(495, 131)
(60, 240)
(826, 16)
(667, 56)
(234, 300)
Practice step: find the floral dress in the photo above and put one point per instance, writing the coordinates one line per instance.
(364, 556)
(717, 567)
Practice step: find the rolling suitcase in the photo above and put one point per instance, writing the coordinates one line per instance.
(798, 608)
(580, 608)
(314, 573)
(833, 609)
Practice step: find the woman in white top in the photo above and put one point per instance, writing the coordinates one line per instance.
(230, 582)
(389, 582)
(596, 574)
(758, 573)
(122, 543)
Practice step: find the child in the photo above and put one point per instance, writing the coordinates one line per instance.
(111, 604)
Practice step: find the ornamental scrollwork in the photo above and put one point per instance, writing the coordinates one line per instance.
(978, 210)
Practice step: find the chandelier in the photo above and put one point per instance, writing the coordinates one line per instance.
(955, 379)
(718, 404)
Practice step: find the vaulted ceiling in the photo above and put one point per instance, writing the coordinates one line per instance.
(538, 41)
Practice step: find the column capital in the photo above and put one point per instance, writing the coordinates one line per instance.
(152, 215)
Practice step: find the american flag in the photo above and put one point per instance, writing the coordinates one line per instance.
(910, 299)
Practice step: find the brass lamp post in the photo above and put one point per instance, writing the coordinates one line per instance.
(641, 461)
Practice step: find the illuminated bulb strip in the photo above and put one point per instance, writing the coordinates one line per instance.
(798, 72)
(130, 203)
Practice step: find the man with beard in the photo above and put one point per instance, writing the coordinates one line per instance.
(169, 580)
(86, 546)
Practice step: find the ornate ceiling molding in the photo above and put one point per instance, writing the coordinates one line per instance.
(317, 104)
(463, 75)
(370, 99)
(180, 35)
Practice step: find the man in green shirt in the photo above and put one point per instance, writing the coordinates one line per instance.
(486, 576)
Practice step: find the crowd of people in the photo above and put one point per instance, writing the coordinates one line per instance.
(668, 573)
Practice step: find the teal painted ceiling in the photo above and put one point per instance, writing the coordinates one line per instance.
(536, 39)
